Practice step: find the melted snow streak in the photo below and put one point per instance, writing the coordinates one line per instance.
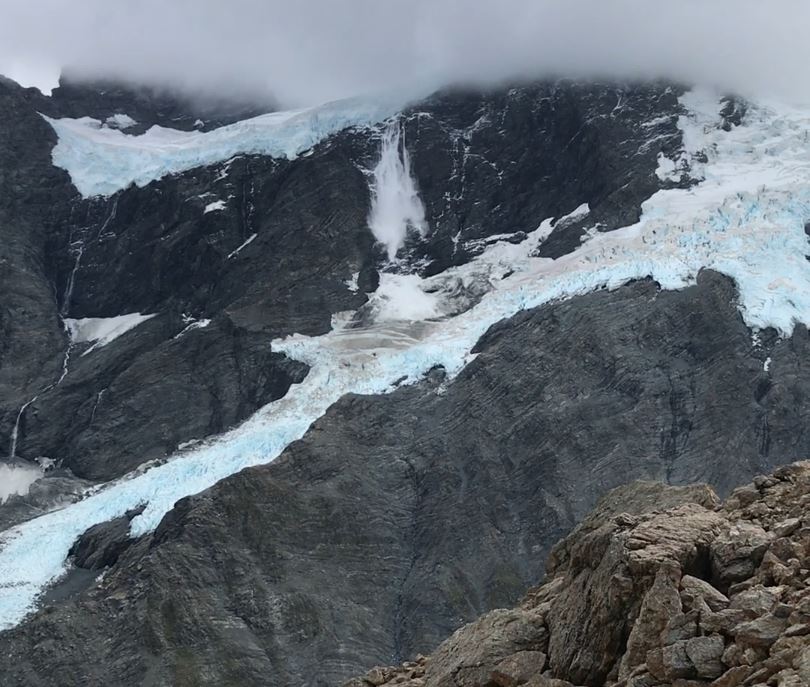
(102, 160)
(745, 219)
(395, 203)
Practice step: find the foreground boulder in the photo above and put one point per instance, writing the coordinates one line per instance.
(659, 587)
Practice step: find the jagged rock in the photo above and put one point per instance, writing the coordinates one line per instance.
(660, 604)
(698, 657)
(761, 632)
(742, 642)
(758, 600)
(468, 658)
(706, 653)
(100, 546)
(518, 668)
(693, 588)
(723, 621)
(733, 677)
(737, 553)
(787, 527)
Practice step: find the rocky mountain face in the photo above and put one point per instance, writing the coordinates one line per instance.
(396, 517)
(399, 517)
(658, 587)
(156, 250)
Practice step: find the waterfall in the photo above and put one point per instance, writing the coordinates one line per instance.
(395, 203)
(15, 433)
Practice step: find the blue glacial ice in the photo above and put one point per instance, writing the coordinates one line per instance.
(745, 219)
(102, 160)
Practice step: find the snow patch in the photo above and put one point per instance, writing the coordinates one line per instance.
(192, 324)
(102, 330)
(213, 207)
(246, 242)
(119, 121)
(353, 283)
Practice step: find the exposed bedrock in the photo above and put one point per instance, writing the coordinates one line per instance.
(398, 518)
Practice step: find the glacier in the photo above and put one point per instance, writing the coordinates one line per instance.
(745, 218)
(102, 160)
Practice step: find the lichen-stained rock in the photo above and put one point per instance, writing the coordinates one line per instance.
(680, 629)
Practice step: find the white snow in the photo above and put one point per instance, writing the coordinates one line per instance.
(192, 324)
(213, 207)
(395, 203)
(577, 214)
(17, 479)
(402, 297)
(245, 243)
(102, 330)
(102, 161)
(746, 219)
(120, 121)
(353, 283)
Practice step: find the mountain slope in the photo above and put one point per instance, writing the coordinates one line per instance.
(455, 328)
(399, 517)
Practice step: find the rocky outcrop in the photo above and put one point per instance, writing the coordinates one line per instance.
(674, 592)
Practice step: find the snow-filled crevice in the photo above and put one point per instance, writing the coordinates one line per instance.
(395, 204)
(17, 479)
(99, 331)
(745, 219)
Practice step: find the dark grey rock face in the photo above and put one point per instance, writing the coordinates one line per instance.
(119, 408)
(275, 260)
(503, 161)
(398, 518)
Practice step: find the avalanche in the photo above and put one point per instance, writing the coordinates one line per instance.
(745, 218)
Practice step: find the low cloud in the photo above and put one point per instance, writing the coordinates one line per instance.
(315, 50)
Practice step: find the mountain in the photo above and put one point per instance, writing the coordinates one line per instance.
(289, 394)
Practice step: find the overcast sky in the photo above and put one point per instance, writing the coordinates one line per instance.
(308, 51)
